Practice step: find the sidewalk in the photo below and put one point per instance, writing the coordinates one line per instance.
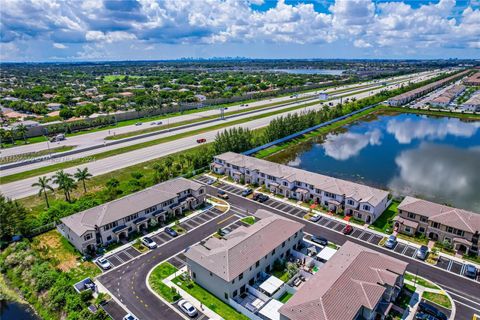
(365, 226)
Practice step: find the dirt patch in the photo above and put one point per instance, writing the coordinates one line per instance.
(53, 246)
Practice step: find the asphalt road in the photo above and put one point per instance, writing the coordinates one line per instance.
(23, 188)
(128, 282)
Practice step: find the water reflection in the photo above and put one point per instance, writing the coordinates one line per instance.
(440, 172)
(405, 131)
(346, 145)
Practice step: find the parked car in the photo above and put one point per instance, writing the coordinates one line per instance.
(104, 263)
(130, 316)
(391, 242)
(210, 182)
(247, 192)
(187, 307)
(171, 232)
(260, 197)
(320, 240)
(138, 123)
(424, 316)
(470, 271)
(149, 243)
(424, 307)
(201, 140)
(222, 194)
(348, 229)
(422, 253)
(316, 217)
(58, 137)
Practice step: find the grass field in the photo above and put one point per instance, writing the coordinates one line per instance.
(31, 155)
(285, 297)
(249, 220)
(161, 272)
(438, 298)
(383, 223)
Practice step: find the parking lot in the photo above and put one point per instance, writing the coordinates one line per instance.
(114, 310)
(358, 231)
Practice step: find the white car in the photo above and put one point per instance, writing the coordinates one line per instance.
(187, 307)
(130, 316)
(104, 263)
(149, 243)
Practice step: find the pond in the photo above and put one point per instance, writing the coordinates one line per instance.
(15, 311)
(436, 158)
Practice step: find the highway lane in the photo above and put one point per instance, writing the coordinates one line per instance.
(98, 137)
(23, 188)
(128, 282)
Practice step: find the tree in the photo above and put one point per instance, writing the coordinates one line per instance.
(22, 131)
(65, 182)
(83, 175)
(112, 183)
(44, 186)
(12, 217)
(66, 113)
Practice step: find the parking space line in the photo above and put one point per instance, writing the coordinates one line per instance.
(450, 263)
(127, 254)
(405, 250)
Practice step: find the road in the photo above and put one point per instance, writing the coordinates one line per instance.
(127, 282)
(98, 138)
(23, 188)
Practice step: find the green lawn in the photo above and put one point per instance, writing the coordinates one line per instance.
(161, 272)
(282, 274)
(249, 220)
(438, 298)
(209, 300)
(285, 297)
(420, 281)
(384, 222)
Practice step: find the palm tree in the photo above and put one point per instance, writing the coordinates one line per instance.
(65, 182)
(22, 130)
(83, 175)
(44, 186)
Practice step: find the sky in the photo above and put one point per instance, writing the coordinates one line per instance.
(95, 30)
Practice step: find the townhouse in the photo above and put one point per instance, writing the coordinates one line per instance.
(227, 267)
(447, 96)
(353, 199)
(116, 220)
(356, 283)
(439, 222)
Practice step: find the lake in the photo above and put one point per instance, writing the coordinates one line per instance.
(436, 158)
(15, 311)
(310, 71)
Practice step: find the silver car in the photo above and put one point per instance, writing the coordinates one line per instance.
(187, 307)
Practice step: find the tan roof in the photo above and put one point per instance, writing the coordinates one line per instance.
(354, 277)
(242, 248)
(474, 100)
(359, 192)
(452, 217)
(125, 206)
(408, 223)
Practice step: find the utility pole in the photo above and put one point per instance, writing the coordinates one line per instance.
(222, 113)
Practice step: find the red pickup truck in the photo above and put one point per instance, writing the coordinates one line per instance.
(202, 140)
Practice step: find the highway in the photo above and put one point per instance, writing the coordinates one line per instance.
(23, 188)
(128, 282)
(98, 138)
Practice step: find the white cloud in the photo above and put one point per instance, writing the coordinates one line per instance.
(60, 46)
(347, 145)
(109, 37)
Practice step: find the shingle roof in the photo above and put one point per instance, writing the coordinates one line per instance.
(359, 192)
(354, 277)
(229, 257)
(125, 206)
(452, 217)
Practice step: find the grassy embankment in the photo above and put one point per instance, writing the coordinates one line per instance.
(31, 155)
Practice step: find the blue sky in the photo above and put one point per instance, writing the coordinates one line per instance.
(74, 30)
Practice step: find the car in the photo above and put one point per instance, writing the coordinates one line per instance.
(171, 232)
(348, 229)
(316, 217)
(149, 243)
(422, 253)
(247, 192)
(153, 123)
(130, 316)
(470, 271)
(260, 197)
(159, 123)
(201, 140)
(187, 307)
(320, 240)
(222, 194)
(210, 182)
(138, 123)
(391, 242)
(424, 307)
(424, 316)
(104, 263)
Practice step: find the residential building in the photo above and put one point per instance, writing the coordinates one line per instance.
(447, 96)
(353, 199)
(226, 267)
(472, 104)
(439, 222)
(116, 220)
(473, 80)
(356, 283)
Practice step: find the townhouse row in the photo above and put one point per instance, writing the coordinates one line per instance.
(353, 199)
(116, 220)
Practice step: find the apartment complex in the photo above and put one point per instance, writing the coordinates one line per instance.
(356, 283)
(409, 96)
(447, 96)
(116, 220)
(441, 223)
(226, 267)
(473, 80)
(472, 104)
(354, 199)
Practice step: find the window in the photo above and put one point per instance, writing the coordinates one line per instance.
(359, 215)
(194, 275)
(328, 194)
(211, 274)
(421, 229)
(423, 219)
(240, 277)
(450, 229)
(201, 191)
(285, 183)
(110, 226)
(366, 207)
(411, 215)
(435, 225)
(283, 244)
(226, 296)
(109, 238)
(87, 237)
(407, 229)
(257, 264)
(233, 281)
(234, 293)
(248, 171)
(350, 202)
(273, 252)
